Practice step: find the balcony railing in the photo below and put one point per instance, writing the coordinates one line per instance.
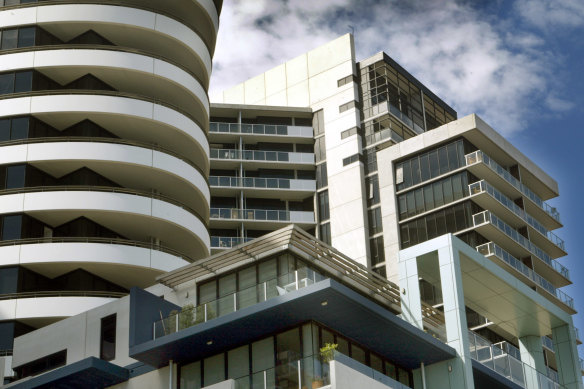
(488, 217)
(263, 215)
(260, 129)
(496, 359)
(227, 242)
(258, 182)
(483, 186)
(202, 313)
(548, 342)
(260, 155)
(386, 133)
(479, 156)
(5, 353)
(493, 249)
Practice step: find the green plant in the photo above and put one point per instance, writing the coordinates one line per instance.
(186, 316)
(327, 352)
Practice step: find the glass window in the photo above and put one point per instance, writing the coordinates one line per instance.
(323, 206)
(453, 156)
(459, 218)
(418, 193)
(190, 376)
(207, 292)
(440, 223)
(23, 82)
(19, 128)
(343, 345)
(450, 222)
(457, 187)
(6, 83)
(407, 172)
(268, 270)
(403, 209)
(15, 176)
(428, 197)
(434, 167)
(227, 285)
(262, 354)
(424, 167)
(376, 363)
(9, 39)
(288, 347)
(443, 160)
(9, 280)
(12, 227)
(390, 370)
(415, 171)
(4, 129)
(358, 354)
(431, 226)
(238, 362)
(421, 224)
(214, 369)
(438, 196)
(325, 233)
(108, 338)
(404, 377)
(411, 203)
(26, 36)
(447, 187)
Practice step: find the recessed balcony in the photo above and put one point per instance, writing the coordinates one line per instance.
(260, 132)
(227, 242)
(259, 218)
(231, 158)
(289, 189)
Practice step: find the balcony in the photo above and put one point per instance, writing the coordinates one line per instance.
(386, 106)
(227, 242)
(191, 316)
(234, 130)
(495, 229)
(259, 218)
(231, 158)
(482, 165)
(496, 359)
(284, 188)
(484, 193)
(491, 249)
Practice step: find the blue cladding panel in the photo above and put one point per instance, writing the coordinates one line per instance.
(145, 309)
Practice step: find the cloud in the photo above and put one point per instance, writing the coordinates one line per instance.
(474, 62)
(552, 14)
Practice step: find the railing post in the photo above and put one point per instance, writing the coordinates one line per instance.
(176, 322)
(265, 291)
(296, 278)
(265, 379)
(299, 375)
(234, 302)
(205, 312)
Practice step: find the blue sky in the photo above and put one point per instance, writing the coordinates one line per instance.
(518, 64)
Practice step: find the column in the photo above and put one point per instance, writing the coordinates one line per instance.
(531, 350)
(455, 315)
(567, 356)
(411, 301)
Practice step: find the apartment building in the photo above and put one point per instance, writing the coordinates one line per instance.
(104, 155)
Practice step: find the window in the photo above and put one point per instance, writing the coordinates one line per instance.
(323, 206)
(325, 233)
(376, 250)
(107, 349)
(346, 80)
(351, 131)
(321, 176)
(375, 225)
(318, 122)
(347, 106)
(319, 149)
(351, 159)
(372, 189)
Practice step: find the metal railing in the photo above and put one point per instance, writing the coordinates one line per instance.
(62, 293)
(114, 241)
(58, 139)
(95, 92)
(386, 133)
(480, 157)
(488, 217)
(227, 242)
(191, 316)
(263, 215)
(106, 189)
(484, 187)
(260, 182)
(260, 155)
(260, 129)
(491, 248)
(548, 342)
(509, 349)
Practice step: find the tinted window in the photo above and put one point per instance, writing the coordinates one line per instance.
(108, 338)
(26, 37)
(15, 176)
(12, 227)
(19, 128)
(9, 39)
(23, 82)
(6, 83)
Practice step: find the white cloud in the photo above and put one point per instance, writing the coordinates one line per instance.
(552, 14)
(475, 65)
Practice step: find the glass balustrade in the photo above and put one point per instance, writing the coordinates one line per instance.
(508, 366)
(493, 249)
(489, 217)
(260, 129)
(548, 342)
(258, 182)
(261, 155)
(202, 313)
(226, 242)
(263, 215)
(483, 186)
(479, 156)
(386, 133)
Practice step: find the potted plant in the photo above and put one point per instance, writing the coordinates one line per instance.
(327, 353)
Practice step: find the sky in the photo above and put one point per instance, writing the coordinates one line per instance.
(518, 64)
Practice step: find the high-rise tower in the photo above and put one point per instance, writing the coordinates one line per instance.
(104, 157)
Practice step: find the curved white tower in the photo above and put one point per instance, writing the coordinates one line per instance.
(104, 157)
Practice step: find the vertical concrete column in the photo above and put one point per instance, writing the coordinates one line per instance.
(567, 356)
(455, 315)
(411, 300)
(532, 355)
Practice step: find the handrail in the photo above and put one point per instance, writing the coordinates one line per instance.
(490, 218)
(63, 293)
(480, 156)
(5, 353)
(94, 92)
(109, 189)
(80, 46)
(259, 155)
(254, 129)
(118, 241)
(257, 214)
(162, 11)
(483, 186)
(256, 182)
(226, 242)
(57, 139)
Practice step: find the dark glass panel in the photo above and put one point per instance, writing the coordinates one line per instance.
(26, 36)
(415, 171)
(443, 160)
(438, 196)
(6, 83)
(12, 227)
(8, 284)
(440, 223)
(447, 187)
(108, 338)
(434, 167)
(20, 128)
(4, 129)
(9, 39)
(15, 176)
(453, 156)
(450, 222)
(23, 82)
(424, 167)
